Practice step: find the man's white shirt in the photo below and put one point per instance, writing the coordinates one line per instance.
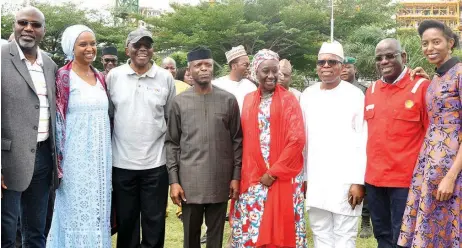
(238, 89)
(335, 151)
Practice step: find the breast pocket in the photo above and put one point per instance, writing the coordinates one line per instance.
(406, 122)
(154, 96)
(369, 114)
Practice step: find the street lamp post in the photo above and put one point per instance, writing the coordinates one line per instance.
(332, 21)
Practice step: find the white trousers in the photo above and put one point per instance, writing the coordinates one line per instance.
(332, 230)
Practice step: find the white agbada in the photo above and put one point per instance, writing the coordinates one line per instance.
(238, 89)
(335, 152)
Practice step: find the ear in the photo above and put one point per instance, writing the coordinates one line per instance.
(451, 43)
(126, 52)
(404, 57)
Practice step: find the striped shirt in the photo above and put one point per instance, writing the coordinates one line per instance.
(38, 78)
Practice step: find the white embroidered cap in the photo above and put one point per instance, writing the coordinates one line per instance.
(332, 48)
(235, 53)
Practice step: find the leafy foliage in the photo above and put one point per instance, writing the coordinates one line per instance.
(293, 28)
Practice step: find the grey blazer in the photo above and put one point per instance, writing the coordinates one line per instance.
(20, 117)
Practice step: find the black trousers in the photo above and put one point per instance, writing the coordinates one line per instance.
(386, 206)
(145, 192)
(193, 214)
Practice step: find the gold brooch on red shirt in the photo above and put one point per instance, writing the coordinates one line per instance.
(408, 104)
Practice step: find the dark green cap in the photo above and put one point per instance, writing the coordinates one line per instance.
(349, 60)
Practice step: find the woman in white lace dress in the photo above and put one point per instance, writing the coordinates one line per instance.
(81, 218)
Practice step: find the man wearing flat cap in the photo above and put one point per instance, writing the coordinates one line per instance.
(204, 150)
(349, 73)
(109, 59)
(335, 158)
(141, 94)
(236, 83)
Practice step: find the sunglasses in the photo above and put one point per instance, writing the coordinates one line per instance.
(137, 45)
(330, 62)
(110, 61)
(25, 23)
(388, 56)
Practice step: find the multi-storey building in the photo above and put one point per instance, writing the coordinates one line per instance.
(413, 12)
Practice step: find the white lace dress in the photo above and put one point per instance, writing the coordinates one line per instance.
(81, 217)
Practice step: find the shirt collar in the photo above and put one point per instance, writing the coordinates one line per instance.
(401, 76)
(38, 61)
(447, 66)
(150, 73)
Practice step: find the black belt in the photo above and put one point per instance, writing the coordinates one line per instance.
(41, 143)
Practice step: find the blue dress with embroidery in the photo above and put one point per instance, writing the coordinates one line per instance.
(81, 217)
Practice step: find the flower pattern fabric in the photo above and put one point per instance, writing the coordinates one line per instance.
(426, 221)
(250, 206)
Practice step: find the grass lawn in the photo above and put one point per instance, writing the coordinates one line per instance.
(174, 233)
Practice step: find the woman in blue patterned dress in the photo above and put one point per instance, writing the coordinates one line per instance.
(269, 212)
(81, 217)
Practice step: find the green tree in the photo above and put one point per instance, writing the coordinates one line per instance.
(59, 17)
(410, 42)
(361, 44)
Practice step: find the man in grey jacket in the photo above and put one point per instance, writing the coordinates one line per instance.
(28, 125)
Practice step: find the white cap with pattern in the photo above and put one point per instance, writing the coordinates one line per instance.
(235, 53)
(332, 48)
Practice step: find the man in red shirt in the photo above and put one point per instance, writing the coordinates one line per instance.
(397, 120)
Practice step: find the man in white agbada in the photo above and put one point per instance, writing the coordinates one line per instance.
(335, 156)
(236, 83)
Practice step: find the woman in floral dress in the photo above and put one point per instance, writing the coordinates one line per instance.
(433, 213)
(269, 211)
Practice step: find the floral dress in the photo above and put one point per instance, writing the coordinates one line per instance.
(249, 207)
(428, 222)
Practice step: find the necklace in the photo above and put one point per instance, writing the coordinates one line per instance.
(267, 96)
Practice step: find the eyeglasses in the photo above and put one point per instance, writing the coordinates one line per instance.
(388, 56)
(138, 45)
(330, 62)
(25, 23)
(110, 61)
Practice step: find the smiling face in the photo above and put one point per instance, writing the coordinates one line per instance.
(267, 75)
(436, 47)
(85, 48)
(141, 52)
(329, 73)
(29, 28)
(391, 62)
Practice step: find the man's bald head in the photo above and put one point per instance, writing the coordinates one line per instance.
(390, 42)
(30, 10)
(390, 59)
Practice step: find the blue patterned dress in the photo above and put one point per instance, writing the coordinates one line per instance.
(81, 217)
(249, 207)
